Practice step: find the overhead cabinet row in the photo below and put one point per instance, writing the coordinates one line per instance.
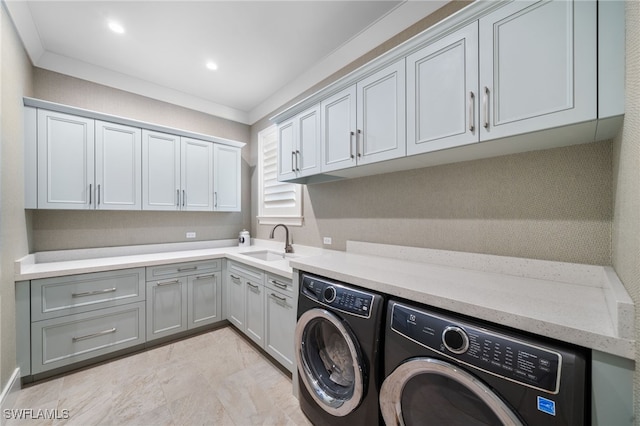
(502, 74)
(74, 162)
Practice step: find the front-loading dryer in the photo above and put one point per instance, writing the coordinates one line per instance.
(445, 369)
(338, 352)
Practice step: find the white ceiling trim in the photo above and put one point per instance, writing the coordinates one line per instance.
(400, 18)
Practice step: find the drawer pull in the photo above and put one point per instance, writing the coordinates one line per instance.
(233, 277)
(160, 284)
(278, 298)
(253, 286)
(190, 268)
(91, 336)
(202, 277)
(279, 284)
(93, 293)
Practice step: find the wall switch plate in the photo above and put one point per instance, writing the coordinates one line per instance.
(326, 241)
(191, 234)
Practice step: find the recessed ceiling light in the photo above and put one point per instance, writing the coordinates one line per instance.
(212, 66)
(116, 27)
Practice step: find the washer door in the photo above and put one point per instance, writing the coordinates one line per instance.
(430, 391)
(329, 362)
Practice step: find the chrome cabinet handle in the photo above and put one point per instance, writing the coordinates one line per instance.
(233, 277)
(184, 197)
(187, 268)
(278, 284)
(98, 195)
(278, 298)
(359, 149)
(93, 293)
(178, 197)
(160, 284)
(215, 199)
(297, 160)
(485, 107)
(293, 161)
(90, 192)
(90, 336)
(471, 110)
(253, 286)
(351, 135)
(202, 277)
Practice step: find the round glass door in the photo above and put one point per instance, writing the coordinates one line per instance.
(428, 391)
(329, 362)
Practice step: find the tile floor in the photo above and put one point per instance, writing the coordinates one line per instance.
(216, 378)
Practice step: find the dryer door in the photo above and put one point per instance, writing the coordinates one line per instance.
(431, 391)
(329, 361)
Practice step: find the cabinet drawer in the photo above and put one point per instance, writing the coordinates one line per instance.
(280, 284)
(185, 268)
(59, 296)
(62, 341)
(247, 272)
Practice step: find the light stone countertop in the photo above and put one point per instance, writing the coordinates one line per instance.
(581, 304)
(72, 262)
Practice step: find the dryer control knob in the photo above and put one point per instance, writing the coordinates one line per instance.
(329, 294)
(455, 339)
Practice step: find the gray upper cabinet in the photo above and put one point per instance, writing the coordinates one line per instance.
(118, 167)
(365, 123)
(65, 161)
(299, 151)
(538, 66)
(227, 181)
(78, 159)
(160, 171)
(442, 93)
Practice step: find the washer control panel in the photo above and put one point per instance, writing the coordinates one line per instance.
(480, 348)
(336, 296)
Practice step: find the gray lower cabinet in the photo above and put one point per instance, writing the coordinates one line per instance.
(78, 317)
(280, 319)
(245, 300)
(183, 296)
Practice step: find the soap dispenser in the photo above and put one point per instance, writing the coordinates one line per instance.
(244, 239)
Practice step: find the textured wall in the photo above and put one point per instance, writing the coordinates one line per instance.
(15, 82)
(626, 220)
(56, 229)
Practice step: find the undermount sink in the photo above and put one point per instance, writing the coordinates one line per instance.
(268, 255)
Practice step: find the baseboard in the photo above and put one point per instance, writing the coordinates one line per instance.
(10, 392)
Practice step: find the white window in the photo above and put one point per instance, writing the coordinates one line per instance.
(280, 202)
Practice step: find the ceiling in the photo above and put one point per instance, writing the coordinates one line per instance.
(267, 52)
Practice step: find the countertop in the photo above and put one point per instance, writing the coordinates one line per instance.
(582, 304)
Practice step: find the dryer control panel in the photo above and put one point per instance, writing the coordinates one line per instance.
(481, 348)
(337, 296)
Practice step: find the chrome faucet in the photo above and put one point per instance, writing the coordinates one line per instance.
(287, 246)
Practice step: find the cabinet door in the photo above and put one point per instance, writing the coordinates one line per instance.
(227, 188)
(65, 161)
(254, 305)
(118, 167)
(381, 125)
(338, 120)
(204, 299)
(160, 171)
(197, 175)
(234, 290)
(537, 66)
(309, 142)
(280, 316)
(287, 150)
(442, 93)
(166, 307)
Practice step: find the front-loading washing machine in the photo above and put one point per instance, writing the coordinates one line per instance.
(445, 369)
(338, 352)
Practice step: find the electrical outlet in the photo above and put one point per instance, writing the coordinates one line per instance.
(326, 241)
(191, 234)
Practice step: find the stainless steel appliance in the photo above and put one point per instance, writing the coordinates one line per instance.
(337, 345)
(441, 368)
